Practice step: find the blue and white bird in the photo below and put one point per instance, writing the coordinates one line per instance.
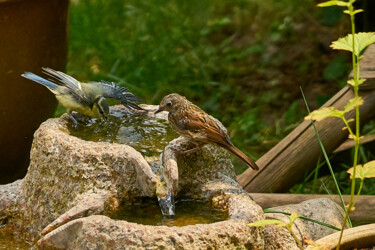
(85, 98)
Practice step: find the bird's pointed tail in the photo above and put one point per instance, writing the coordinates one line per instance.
(40, 80)
(242, 156)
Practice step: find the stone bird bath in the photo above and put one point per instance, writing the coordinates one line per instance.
(73, 184)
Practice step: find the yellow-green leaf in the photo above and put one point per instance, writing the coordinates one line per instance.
(367, 171)
(353, 103)
(351, 120)
(333, 3)
(357, 11)
(323, 113)
(354, 12)
(361, 41)
(262, 223)
(352, 82)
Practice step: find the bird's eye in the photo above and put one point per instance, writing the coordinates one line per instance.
(169, 104)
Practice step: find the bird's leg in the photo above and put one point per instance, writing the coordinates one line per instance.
(73, 120)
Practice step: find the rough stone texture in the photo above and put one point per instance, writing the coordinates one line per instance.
(71, 182)
(207, 174)
(63, 168)
(322, 209)
(8, 200)
(100, 232)
(187, 173)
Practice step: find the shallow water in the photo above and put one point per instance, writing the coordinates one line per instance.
(148, 135)
(10, 241)
(188, 212)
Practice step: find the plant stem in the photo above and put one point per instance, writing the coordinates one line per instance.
(348, 127)
(295, 237)
(267, 210)
(359, 190)
(355, 62)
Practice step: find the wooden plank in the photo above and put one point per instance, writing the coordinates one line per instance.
(364, 208)
(367, 67)
(287, 162)
(348, 144)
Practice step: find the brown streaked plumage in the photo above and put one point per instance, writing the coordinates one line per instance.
(193, 123)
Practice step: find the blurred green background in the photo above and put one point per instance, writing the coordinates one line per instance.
(242, 61)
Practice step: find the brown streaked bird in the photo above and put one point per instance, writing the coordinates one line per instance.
(193, 123)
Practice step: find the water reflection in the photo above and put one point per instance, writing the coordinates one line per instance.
(146, 211)
(148, 135)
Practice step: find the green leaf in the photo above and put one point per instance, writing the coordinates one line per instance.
(362, 40)
(354, 12)
(262, 223)
(323, 113)
(367, 171)
(336, 68)
(353, 103)
(352, 82)
(333, 3)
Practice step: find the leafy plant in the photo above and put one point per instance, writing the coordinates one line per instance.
(279, 223)
(354, 43)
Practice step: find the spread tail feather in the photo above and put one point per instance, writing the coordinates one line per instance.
(40, 80)
(242, 156)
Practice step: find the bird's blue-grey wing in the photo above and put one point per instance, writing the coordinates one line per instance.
(112, 90)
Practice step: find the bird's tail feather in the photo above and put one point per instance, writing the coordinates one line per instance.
(242, 156)
(40, 80)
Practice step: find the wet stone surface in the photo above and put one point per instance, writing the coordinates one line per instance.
(141, 130)
(10, 240)
(188, 212)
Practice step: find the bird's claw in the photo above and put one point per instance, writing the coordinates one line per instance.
(73, 120)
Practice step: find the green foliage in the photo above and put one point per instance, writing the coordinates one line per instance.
(213, 52)
(293, 216)
(333, 3)
(336, 69)
(365, 171)
(353, 103)
(331, 15)
(355, 43)
(324, 113)
(290, 114)
(361, 41)
(352, 82)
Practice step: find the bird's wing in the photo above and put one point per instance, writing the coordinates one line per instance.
(202, 123)
(112, 90)
(60, 78)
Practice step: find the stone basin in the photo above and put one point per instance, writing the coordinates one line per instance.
(72, 184)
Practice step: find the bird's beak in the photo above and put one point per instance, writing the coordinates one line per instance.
(159, 110)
